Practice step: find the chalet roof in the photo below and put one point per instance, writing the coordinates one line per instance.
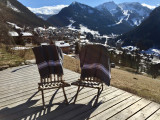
(14, 25)
(26, 34)
(13, 34)
(61, 44)
(44, 43)
(82, 37)
(84, 41)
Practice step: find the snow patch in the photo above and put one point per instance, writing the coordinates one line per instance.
(130, 48)
(12, 7)
(14, 25)
(136, 22)
(83, 29)
(106, 36)
(152, 51)
(71, 21)
(116, 23)
(148, 6)
(21, 48)
(52, 28)
(39, 28)
(48, 10)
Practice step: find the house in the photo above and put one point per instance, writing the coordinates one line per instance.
(64, 46)
(44, 44)
(27, 37)
(15, 36)
(22, 37)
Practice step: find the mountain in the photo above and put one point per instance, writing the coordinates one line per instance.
(43, 16)
(112, 8)
(15, 12)
(47, 11)
(147, 34)
(133, 13)
(78, 14)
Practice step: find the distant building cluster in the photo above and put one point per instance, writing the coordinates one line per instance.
(71, 41)
(20, 35)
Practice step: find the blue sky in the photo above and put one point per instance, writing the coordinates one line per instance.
(93, 3)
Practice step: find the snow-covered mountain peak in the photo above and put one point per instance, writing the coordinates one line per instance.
(75, 3)
(110, 6)
(130, 5)
(47, 10)
(81, 5)
(136, 8)
(131, 12)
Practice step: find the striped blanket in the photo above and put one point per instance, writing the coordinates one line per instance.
(95, 62)
(49, 60)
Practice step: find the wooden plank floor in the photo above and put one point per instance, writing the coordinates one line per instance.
(19, 99)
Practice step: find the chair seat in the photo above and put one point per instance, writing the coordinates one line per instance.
(51, 85)
(91, 84)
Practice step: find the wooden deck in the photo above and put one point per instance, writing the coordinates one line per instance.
(19, 99)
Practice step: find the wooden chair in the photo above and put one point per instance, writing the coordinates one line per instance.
(91, 82)
(52, 82)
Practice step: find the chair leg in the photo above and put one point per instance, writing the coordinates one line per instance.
(98, 93)
(43, 98)
(102, 86)
(76, 94)
(66, 100)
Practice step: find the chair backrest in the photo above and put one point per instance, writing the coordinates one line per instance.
(48, 60)
(94, 62)
(52, 78)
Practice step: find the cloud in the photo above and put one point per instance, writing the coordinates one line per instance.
(149, 6)
(48, 10)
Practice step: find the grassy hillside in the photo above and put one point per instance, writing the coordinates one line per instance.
(140, 85)
(12, 58)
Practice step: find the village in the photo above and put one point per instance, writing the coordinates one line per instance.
(71, 41)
